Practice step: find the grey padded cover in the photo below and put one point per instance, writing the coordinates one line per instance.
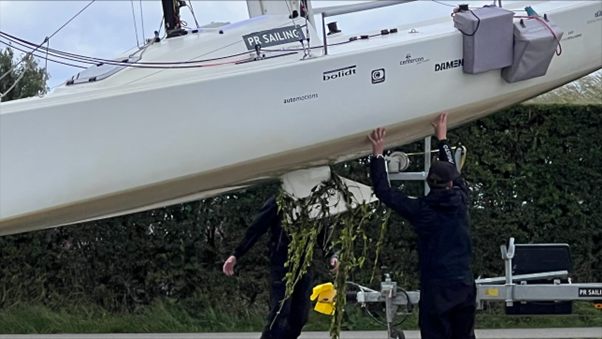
(491, 46)
(534, 48)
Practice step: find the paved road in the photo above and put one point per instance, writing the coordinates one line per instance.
(555, 333)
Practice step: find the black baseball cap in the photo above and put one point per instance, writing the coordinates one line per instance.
(440, 173)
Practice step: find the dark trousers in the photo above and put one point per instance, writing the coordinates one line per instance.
(447, 309)
(295, 311)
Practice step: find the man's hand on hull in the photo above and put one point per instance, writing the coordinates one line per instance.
(440, 126)
(377, 137)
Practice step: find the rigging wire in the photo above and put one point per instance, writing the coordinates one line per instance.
(160, 25)
(27, 59)
(75, 16)
(136, 65)
(31, 53)
(13, 85)
(38, 56)
(50, 50)
(135, 26)
(444, 4)
(91, 60)
(23, 59)
(290, 10)
(303, 8)
(94, 61)
(154, 65)
(11, 69)
(142, 21)
(147, 66)
(46, 62)
(193, 15)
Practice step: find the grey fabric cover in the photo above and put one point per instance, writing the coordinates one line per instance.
(534, 48)
(491, 46)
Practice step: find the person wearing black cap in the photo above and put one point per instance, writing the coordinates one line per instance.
(440, 219)
(294, 314)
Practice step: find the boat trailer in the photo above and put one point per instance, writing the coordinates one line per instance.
(550, 292)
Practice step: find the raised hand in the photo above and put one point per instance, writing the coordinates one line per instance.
(440, 126)
(377, 137)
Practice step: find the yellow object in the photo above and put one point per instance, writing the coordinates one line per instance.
(492, 292)
(598, 306)
(325, 294)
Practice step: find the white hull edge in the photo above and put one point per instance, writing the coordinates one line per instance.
(116, 149)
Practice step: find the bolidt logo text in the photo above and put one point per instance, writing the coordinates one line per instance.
(339, 73)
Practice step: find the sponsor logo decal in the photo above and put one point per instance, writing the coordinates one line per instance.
(274, 37)
(597, 17)
(571, 35)
(574, 36)
(449, 64)
(409, 60)
(339, 73)
(301, 98)
(378, 76)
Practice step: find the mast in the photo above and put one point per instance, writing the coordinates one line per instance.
(171, 13)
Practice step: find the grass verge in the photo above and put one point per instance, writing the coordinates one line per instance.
(165, 317)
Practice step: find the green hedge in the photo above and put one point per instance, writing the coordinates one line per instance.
(534, 173)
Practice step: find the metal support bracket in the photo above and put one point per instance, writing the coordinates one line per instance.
(397, 162)
(499, 289)
(415, 175)
(508, 255)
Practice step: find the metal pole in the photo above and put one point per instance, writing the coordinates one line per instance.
(324, 36)
(346, 9)
(508, 255)
(310, 12)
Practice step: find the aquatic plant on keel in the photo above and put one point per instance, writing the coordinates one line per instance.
(305, 218)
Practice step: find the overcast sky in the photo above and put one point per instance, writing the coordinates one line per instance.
(106, 28)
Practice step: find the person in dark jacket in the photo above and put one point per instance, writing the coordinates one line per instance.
(448, 292)
(295, 311)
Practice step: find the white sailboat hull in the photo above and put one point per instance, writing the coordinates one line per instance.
(143, 139)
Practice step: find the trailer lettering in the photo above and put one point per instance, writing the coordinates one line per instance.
(590, 292)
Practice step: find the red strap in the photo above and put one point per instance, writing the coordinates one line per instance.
(548, 26)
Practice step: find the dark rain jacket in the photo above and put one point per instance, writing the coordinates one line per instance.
(440, 219)
(270, 220)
